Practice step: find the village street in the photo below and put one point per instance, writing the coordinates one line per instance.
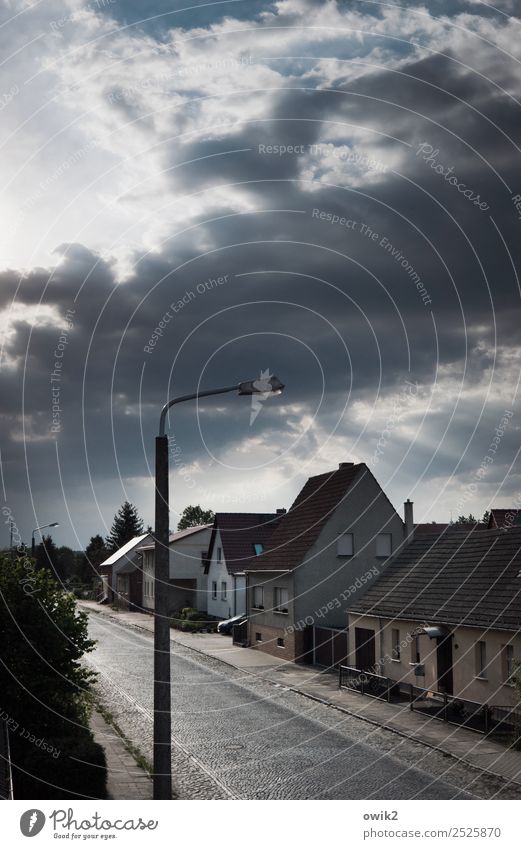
(238, 736)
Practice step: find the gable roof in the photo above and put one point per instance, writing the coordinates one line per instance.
(239, 532)
(504, 518)
(458, 578)
(186, 532)
(300, 527)
(125, 549)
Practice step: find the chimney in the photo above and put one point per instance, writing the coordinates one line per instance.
(345, 465)
(408, 518)
(280, 511)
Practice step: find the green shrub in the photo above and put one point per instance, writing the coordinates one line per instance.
(75, 769)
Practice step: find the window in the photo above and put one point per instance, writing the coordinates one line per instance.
(481, 659)
(214, 589)
(415, 649)
(259, 548)
(384, 545)
(280, 599)
(280, 643)
(258, 637)
(345, 545)
(509, 666)
(219, 555)
(258, 598)
(395, 634)
(223, 590)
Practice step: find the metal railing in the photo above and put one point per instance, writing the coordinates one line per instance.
(482, 718)
(366, 683)
(451, 709)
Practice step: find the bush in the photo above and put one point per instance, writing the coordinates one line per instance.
(78, 771)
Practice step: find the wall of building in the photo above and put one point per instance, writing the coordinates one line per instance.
(293, 647)
(268, 621)
(327, 584)
(187, 578)
(491, 688)
(186, 563)
(218, 573)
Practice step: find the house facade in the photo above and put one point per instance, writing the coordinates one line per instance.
(446, 616)
(236, 540)
(187, 578)
(121, 577)
(335, 540)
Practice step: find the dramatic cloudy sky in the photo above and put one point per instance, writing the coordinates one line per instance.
(148, 148)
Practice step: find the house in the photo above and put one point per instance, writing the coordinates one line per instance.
(445, 615)
(504, 518)
(236, 540)
(121, 574)
(187, 579)
(331, 545)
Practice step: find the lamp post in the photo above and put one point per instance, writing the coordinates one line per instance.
(41, 528)
(162, 778)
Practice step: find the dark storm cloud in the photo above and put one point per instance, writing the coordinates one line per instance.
(360, 323)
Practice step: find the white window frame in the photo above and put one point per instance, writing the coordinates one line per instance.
(278, 604)
(480, 659)
(509, 669)
(384, 541)
(214, 589)
(345, 546)
(258, 604)
(395, 645)
(219, 554)
(224, 591)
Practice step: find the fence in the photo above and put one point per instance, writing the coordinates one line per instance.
(451, 709)
(366, 683)
(485, 719)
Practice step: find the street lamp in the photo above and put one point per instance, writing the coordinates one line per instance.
(41, 528)
(162, 704)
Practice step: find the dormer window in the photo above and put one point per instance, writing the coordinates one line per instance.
(259, 548)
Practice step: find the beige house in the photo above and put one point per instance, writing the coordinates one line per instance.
(446, 616)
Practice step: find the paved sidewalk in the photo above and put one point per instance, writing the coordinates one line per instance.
(125, 779)
(484, 754)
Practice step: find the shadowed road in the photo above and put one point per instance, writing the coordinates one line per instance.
(239, 736)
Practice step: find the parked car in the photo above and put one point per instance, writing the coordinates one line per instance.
(226, 626)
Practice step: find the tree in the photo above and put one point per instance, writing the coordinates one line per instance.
(46, 687)
(466, 520)
(46, 554)
(127, 524)
(194, 515)
(94, 555)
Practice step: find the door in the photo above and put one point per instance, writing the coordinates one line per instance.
(444, 663)
(365, 649)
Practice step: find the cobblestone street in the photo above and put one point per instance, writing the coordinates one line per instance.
(237, 736)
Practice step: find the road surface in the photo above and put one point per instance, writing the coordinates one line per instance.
(238, 736)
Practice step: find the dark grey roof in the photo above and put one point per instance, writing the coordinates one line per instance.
(458, 577)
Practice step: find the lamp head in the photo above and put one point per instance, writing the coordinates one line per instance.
(261, 386)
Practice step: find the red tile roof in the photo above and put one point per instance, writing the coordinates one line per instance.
(239, 533)
(504, 518)
(302, 524)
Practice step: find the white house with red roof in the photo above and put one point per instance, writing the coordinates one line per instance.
(188, 583)
(236, 540)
